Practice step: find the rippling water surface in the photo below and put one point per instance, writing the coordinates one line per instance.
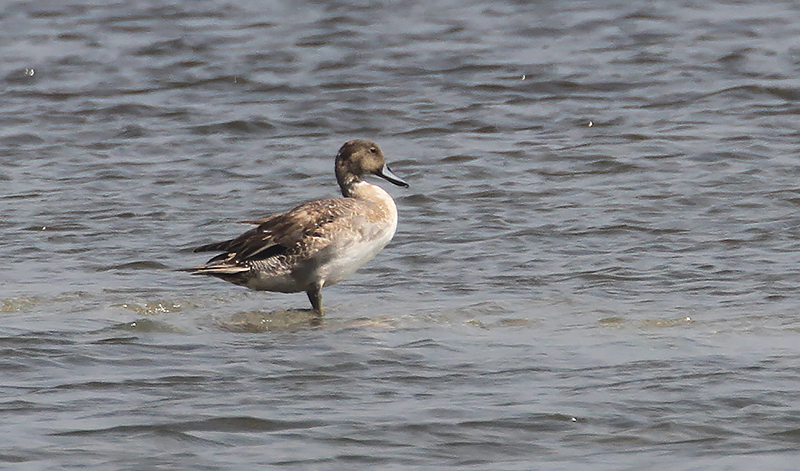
(596, 265)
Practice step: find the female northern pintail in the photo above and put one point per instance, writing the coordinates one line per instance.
(318, 243)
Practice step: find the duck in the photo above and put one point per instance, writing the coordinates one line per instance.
(318, 243)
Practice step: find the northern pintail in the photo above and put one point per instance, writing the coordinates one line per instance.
(318, 243)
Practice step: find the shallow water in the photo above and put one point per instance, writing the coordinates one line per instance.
(595, 266)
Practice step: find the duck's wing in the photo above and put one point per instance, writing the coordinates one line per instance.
(283, 233)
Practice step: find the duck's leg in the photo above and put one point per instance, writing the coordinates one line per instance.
(314, 292)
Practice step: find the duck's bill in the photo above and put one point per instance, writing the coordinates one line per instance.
(387, 173)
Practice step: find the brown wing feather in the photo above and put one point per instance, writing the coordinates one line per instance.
(280, 233)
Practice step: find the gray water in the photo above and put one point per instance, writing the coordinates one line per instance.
(596, 264)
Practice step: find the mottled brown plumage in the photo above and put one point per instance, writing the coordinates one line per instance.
(317, 243)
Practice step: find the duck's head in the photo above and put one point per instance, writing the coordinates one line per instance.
(359, 157)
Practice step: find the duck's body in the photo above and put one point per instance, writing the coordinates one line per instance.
(318, 243)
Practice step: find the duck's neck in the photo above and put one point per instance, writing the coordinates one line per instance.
(348, 185)
(373, 193)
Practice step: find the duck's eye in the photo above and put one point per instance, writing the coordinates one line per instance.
(373, 150)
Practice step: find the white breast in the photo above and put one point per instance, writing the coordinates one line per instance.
(367, 235)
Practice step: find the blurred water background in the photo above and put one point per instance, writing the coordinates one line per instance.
(596, 264)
